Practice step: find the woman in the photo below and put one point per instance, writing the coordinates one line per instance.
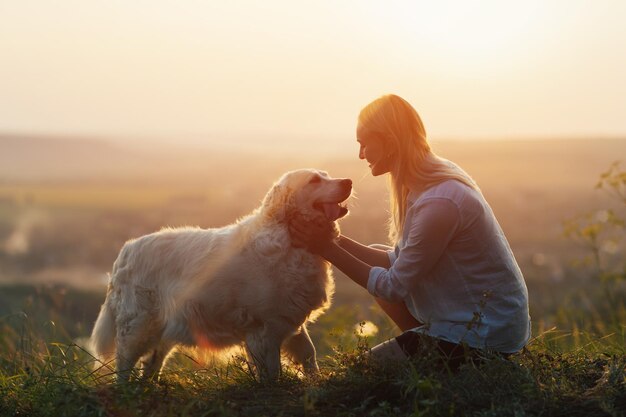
(451, 280)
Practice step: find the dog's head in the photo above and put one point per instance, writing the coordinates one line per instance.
(308, 193)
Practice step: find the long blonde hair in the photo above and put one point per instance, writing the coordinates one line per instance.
(415, 165)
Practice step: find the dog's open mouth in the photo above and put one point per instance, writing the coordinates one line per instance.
(332, 211)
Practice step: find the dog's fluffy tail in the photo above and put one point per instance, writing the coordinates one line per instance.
(103, 336)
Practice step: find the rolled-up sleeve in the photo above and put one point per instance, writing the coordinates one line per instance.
(435, 223)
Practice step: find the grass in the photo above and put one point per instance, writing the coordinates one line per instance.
(39, 378)
(44, 371)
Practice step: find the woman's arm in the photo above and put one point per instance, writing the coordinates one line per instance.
(428, 237)
(342, 252)
(371, 256)
(358, 271)
(355, 260)
(430, 233)
(314, 235)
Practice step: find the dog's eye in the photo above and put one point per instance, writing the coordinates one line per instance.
(315, 179)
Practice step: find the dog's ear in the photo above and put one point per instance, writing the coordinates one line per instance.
(278, 203)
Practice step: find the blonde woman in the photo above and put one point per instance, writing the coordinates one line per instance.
(451, 280)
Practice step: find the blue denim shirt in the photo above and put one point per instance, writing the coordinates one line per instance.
(455, 271)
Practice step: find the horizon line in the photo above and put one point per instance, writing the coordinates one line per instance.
(215, 138)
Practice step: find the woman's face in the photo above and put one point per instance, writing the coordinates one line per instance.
(372, 148)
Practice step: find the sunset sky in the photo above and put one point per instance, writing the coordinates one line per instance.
(283, 72)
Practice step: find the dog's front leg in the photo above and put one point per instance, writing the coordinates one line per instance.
(265, 353)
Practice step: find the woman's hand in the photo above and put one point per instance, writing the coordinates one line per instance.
(314, 235)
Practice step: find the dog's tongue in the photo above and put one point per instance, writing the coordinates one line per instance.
(332, 211)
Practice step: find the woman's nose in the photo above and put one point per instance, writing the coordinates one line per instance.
(361, 153)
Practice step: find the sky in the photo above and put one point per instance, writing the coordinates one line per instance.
(291, 73)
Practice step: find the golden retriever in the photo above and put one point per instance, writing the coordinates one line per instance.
(216, 288)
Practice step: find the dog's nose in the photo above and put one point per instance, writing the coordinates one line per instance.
(346, 183)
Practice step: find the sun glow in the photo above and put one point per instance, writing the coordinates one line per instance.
(466, 35)
(255, 75)
(366, 329)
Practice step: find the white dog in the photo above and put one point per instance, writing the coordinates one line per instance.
(216, 288)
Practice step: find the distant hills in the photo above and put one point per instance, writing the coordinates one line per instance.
(53, 158)
(570, 163)
(37, 158)
(526, 163)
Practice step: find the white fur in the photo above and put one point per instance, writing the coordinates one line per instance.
(216, 288)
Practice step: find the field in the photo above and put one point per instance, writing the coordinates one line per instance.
(66, 208)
